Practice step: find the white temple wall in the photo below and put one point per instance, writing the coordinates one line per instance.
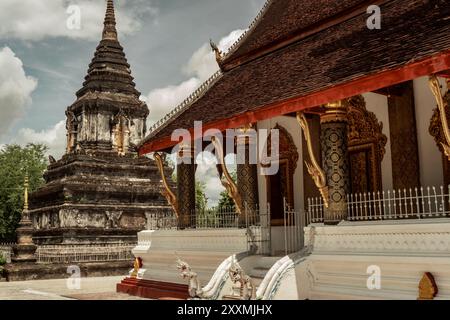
(378, 104)
(430, 158)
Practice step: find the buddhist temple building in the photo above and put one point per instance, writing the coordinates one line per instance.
(101, 192)
(361, 114)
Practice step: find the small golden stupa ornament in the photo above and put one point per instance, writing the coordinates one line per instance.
(427, 287)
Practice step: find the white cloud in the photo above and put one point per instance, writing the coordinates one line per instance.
(203, 62)
(200, 67)
(161, 101)
(34, 20)
(54, 138)
(207, 173)
(15, 89)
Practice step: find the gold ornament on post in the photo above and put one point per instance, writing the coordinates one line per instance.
(436, 89)
(316, 172)
(427, 287)
(167, 192)
(228, 182)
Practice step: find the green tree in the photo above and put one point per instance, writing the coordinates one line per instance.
(15, 163)
(225, 201)
(201, 201)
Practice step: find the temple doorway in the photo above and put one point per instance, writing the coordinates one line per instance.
(366, 147)
(280, 186)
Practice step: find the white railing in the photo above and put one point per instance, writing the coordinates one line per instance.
(294, 223)
(223, 218)
(84, 253)
(413, 203)
(6, 251)
(256, 221)
(416, 203)
(315, 210)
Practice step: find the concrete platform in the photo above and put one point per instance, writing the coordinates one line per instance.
(103, 288)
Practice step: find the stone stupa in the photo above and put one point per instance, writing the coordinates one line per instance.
(101, 192)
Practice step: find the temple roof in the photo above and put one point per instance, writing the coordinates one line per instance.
(281, 20)
(109, 72)
(335, 60)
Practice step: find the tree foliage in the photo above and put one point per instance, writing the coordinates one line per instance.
(225, 201)
(15, 163)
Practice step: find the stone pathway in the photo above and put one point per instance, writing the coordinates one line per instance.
(91, 289)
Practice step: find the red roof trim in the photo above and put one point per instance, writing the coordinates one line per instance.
(431, 65)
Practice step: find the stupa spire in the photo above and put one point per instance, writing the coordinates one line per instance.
(110, 31)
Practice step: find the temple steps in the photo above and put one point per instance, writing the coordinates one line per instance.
(261, 268)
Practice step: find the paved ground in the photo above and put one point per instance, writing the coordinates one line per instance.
(90, 289)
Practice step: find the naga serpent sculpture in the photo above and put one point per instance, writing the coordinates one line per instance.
(195, 288)
(167, 192)
(316, 172)
(228, 182)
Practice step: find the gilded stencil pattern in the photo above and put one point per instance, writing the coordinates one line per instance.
(335, 155)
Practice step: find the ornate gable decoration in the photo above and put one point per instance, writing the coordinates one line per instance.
(364, 126)
(287, 148)
(435, 128)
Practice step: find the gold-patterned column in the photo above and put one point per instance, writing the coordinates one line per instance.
(186, 186)
(247, 170)
(335, 161)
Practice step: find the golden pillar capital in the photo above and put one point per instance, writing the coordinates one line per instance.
(335, 112)
(186, 150)
(244, 135)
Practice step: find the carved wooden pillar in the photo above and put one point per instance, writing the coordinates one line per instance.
(334, 142)
(247, 171)
(186, 186)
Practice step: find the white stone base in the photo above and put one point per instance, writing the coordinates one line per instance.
(203, 250)
(341, 255)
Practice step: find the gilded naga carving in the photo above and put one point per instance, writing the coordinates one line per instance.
(316, 172)
(167, 192)
(442, 105)
(195, 288)
(228, 182)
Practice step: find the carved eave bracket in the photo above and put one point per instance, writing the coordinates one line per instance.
(442, 107)
(316, 172)
(228, 182)
(167, 192)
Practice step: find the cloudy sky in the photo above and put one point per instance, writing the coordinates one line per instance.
(43, 61)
